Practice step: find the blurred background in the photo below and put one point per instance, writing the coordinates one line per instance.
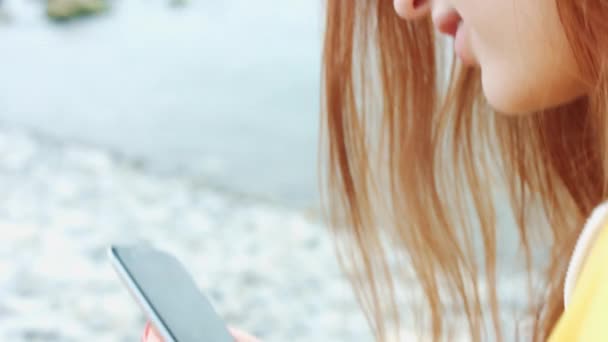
(191, 125)
(222, 91)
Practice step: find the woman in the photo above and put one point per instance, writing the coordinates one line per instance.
(414, 162)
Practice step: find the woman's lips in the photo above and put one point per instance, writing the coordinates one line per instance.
(450, 23)
(461, 47)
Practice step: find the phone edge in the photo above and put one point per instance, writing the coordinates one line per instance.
(137, 295)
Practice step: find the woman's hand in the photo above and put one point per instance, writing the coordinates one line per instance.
(151, 335)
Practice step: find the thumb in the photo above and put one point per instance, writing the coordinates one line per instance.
(151, 334)
(240, 336)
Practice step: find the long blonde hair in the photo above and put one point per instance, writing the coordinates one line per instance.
(410, 166)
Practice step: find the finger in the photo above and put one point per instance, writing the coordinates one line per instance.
(151, 334)
(240, 336)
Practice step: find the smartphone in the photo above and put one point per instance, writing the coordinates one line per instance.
(168, 295)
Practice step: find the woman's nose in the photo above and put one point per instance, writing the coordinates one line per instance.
(412, 9)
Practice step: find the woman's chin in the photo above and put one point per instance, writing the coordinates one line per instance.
(509, 105)
(512, 95)
(523, 105)
(502, 95)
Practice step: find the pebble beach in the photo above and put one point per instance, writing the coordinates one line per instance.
(267, 269)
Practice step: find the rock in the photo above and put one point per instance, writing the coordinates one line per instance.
(68, 9)
(178, 3)
(5, 17)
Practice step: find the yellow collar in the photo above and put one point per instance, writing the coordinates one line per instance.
(585, 241)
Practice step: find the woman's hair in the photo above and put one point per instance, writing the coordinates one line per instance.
(414, 159)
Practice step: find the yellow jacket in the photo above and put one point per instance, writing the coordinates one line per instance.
(585, 317)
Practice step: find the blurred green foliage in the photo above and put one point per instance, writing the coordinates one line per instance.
(62, 10)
